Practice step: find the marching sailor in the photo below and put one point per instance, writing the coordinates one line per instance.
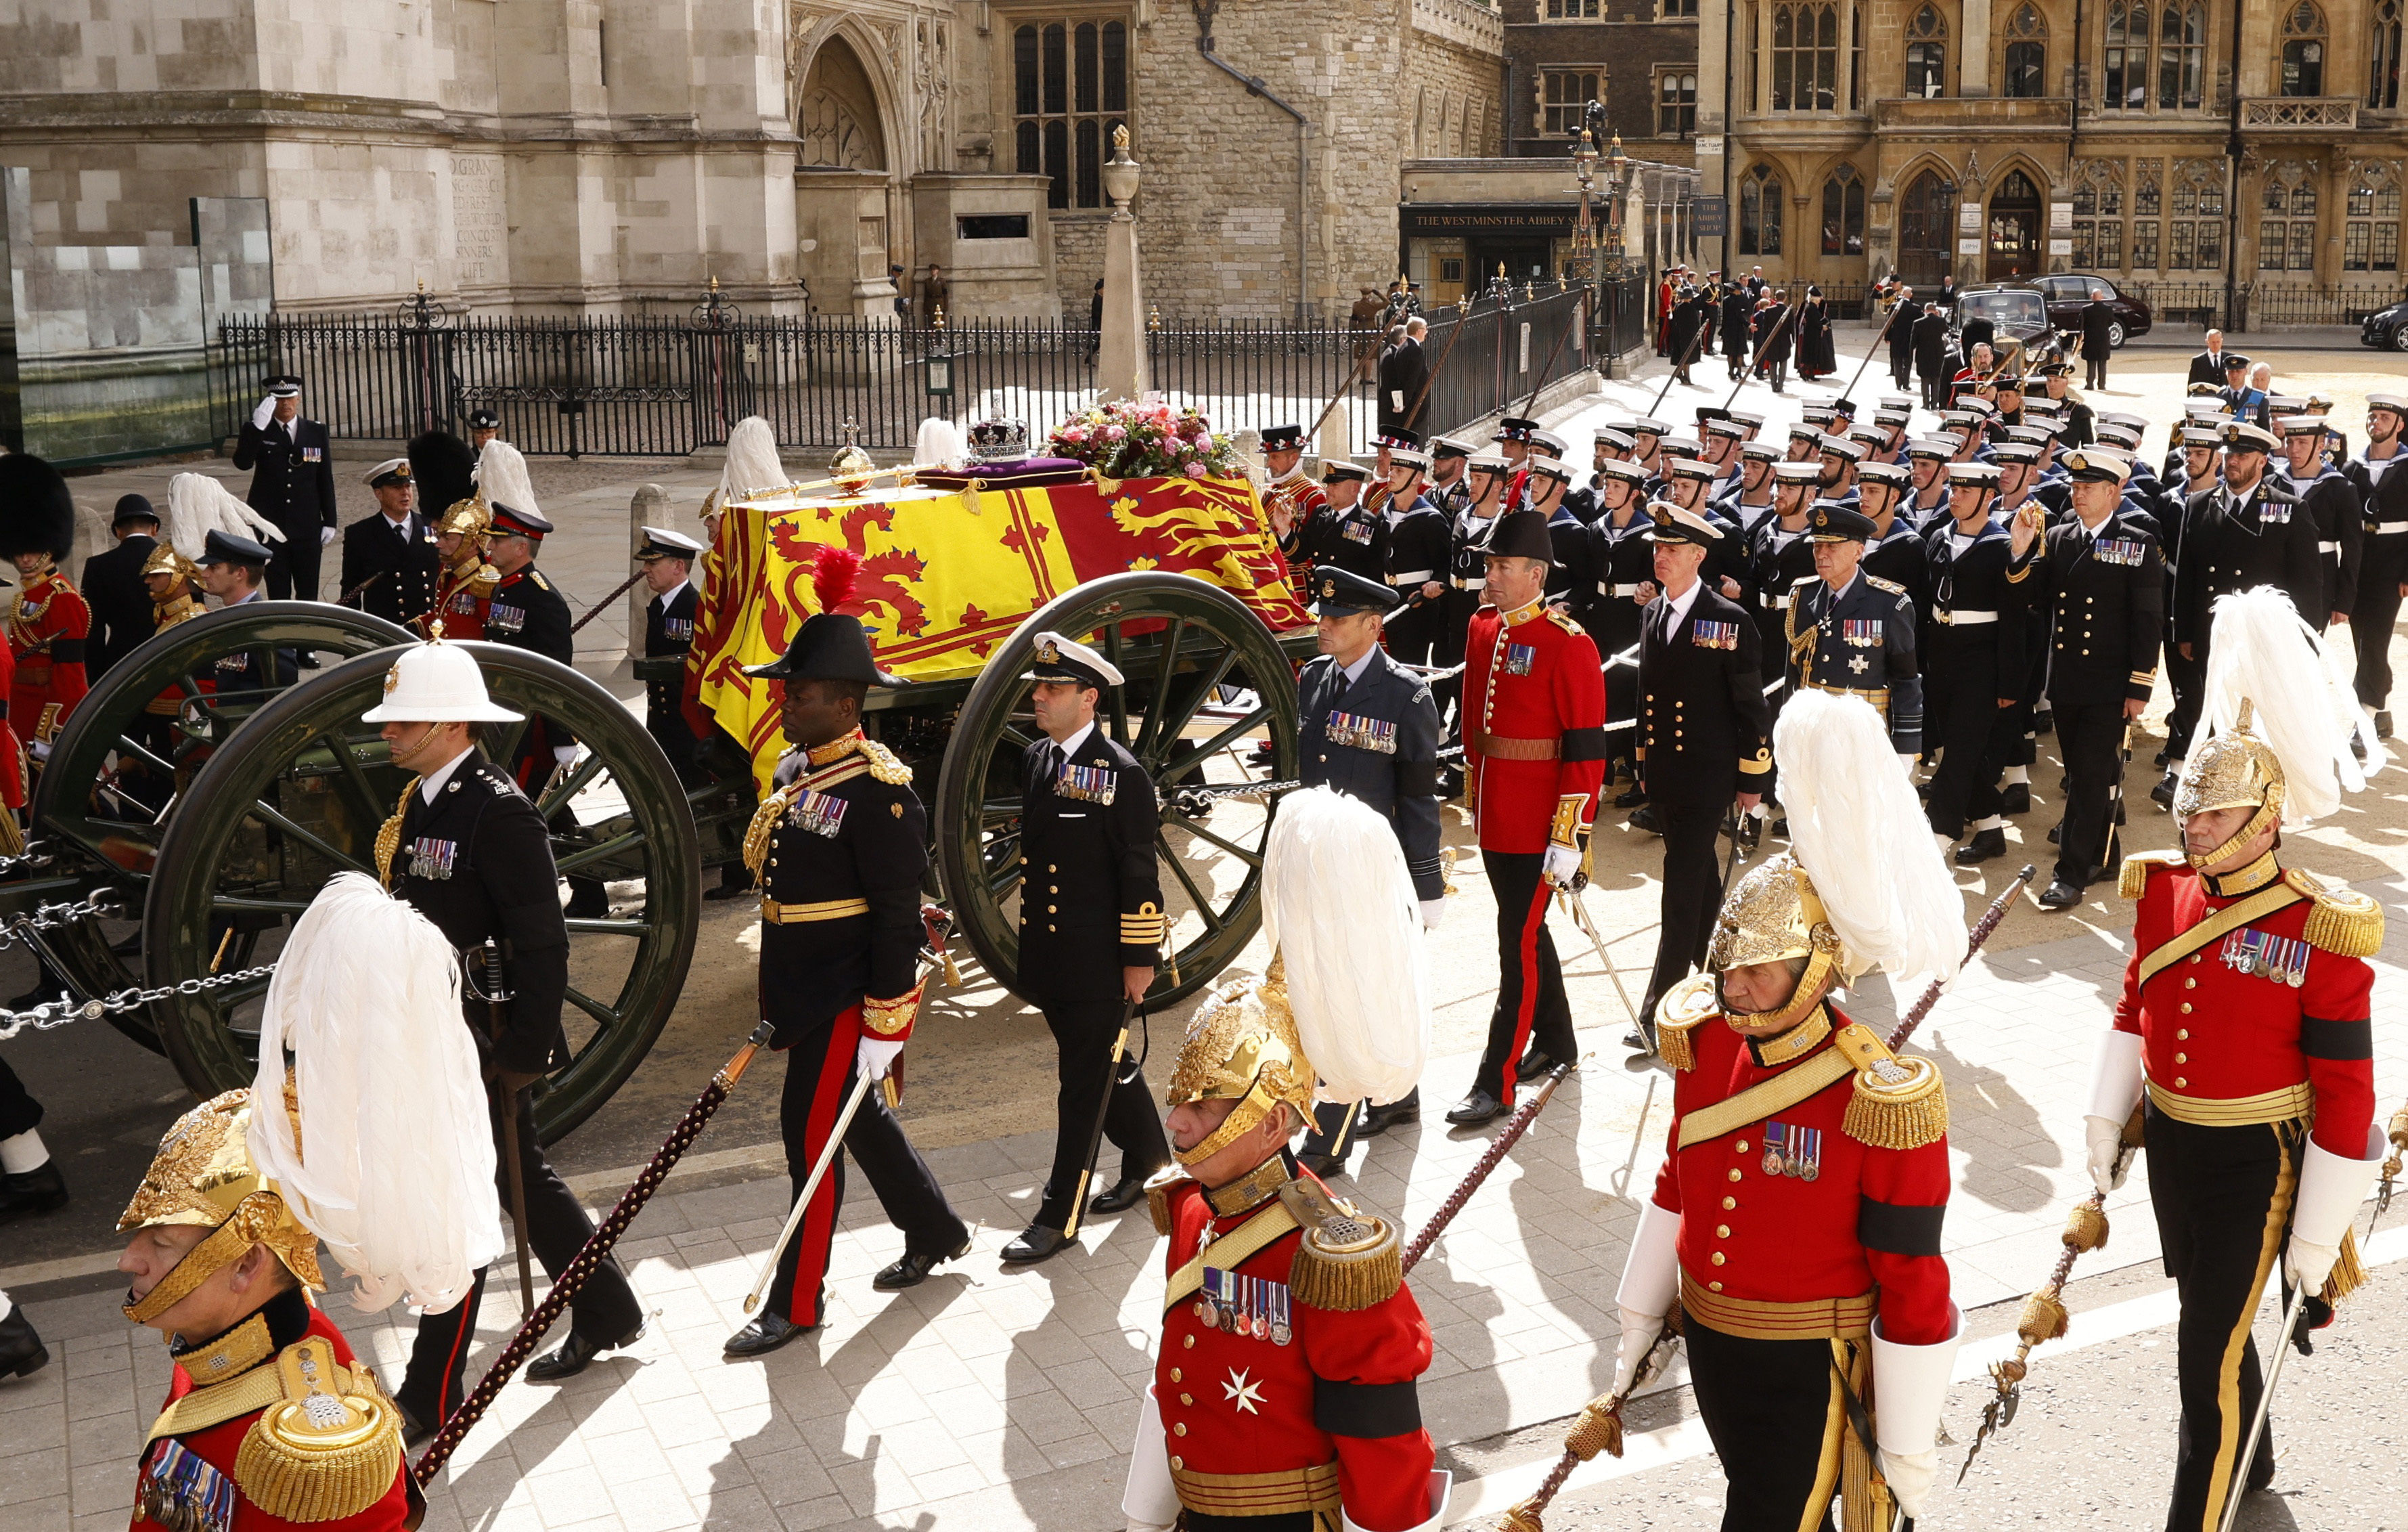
(2243, 1036)
(839, 848)
(1795, 1223)
(1468, 572)
(1417, 554)
(2381, 474)
(2333, 503)
(1284, 1395)
(1534, 757)
(1369, 730)
(1974, 667)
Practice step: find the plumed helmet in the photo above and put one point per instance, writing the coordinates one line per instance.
(1773, 913)
(203, 1176)
(443, 467)
(36, 512)
(2234, 768)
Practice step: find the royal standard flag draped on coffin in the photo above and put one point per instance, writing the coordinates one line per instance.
(945, 577)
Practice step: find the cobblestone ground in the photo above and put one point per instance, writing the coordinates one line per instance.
(998, 1400)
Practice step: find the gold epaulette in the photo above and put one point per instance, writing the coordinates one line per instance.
(1879, 584)
(1347, 1260)
(1899, 1102)
(540, 582)
(1158, 1189)
(328, 1447)
(2344, 921)
(885, 764)
(1686, 1007)
(2133, 881)
(481, 583)
(1560, 620)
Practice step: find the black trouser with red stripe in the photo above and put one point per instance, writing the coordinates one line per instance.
(604, 1311)
(820, 1075)
(2222, 1202)
(1532, 1007)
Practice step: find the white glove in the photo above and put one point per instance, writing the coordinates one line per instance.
(563, 754)
(876, 1056)
(1910, 1476)
(1433, 910)
(2309, 1263)
(1561, 864)
(326, 535)
(41, 749)
(2106, 1146)
(266, 413)
(1639, 1332)
(2330, 1189)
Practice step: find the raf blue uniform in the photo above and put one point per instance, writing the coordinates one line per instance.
(1374, 738)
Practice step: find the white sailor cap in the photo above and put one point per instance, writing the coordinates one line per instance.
(1839, 446)
(660, 542)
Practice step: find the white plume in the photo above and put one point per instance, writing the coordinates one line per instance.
(1338, 908)
(198, 505)
(942, 443)
(752, 463)
(398, 1176)
(502, 478)
(1858, 830)
(2259, 650)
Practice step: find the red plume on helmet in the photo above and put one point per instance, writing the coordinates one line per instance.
(833, 574)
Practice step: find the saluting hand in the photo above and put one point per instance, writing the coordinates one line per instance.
(2026, 529)
(1730, 588)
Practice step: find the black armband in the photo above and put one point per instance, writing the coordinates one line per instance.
(66, 651)
(2320, 1038)
(1365, 1410)
(1898, 1228)
(1418, 779)
(1585, 744)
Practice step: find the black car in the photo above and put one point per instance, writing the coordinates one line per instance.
(2018, 311)
(2386, 329)
(2069, 293)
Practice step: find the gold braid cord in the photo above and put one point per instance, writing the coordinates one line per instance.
(764, 819)
(2341, 920)
(329, 1447)
(388, 839)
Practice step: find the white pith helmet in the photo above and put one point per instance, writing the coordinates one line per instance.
(436, 683)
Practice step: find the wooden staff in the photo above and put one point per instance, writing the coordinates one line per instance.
(1850, 391)
(1786, 315)
(1353, 376)
(1580, 316)
(606, 600)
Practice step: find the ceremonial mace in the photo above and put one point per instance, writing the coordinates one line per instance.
(2390, 1167)
(1599, 1429)
(567, 1284)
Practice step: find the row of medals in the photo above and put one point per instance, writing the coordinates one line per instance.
(1255, 1308)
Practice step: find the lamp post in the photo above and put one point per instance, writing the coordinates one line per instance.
(1584, 261)
(1617, 187)
(938, 364)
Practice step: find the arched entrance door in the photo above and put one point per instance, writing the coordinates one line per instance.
(1925, 225)
(2013, 241)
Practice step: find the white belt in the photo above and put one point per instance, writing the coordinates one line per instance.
(1604, 590)
(2329, 547)
(1778, 603)
(1964, 619)
(1471, 583)
(2386, 529)
(1412, 577)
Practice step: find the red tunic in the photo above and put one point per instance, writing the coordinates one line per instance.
(218, 1446)
(2210, 1032)
(1785, 1237)
(1235, 1404)
(1532, 680)
(47, 638)
(461, 608)
(12, 750)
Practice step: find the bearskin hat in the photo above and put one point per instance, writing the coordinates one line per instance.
(441, 465)
(36, 512)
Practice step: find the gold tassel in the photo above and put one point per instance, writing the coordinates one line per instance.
(388, 839)
(2349, 1272)
(756, 834)
(2085, 1227)
(1675, 1047)
(1898, 1118)
(2344, 921)
(970, 497)
(1344, 1280)
(1524, 1518)
(1597, 1430)
(2043, 1318)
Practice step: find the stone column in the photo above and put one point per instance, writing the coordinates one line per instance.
(1123, 370)
(1973, 50)
(1715, 20)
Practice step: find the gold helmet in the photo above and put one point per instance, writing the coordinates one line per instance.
(2233, 768)
(1775, 914)
(1242, 1045)
(469, 518)
(204, 1176)
(165, 560)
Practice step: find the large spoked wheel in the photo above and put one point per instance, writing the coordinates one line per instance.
(1206, 682)
(299, 796)
(137, 739)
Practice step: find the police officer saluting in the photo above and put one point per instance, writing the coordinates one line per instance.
(1371, 730)
(470, 853)
(839, 848)
(1091, 930)
(1704, 738)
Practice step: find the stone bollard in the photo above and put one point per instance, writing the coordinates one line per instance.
(650, 507)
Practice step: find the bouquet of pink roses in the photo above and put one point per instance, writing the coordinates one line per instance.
(1145, 439)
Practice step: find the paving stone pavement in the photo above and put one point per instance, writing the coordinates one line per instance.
(1000, 1400)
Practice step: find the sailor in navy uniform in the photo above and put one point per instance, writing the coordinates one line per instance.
(668, 560)
(291, 468)
(1466, 575)
(1704, 735)
(1417, 555)
(1546, 478)
(232, 568)
(1853, 632)
(1619, 561)
(1836, 465)
(1747, 500)
(1974, 669)
(2098, 574)
(1895, 551)
(1349, 533)
(1927, 462)
(1781, 556)
(1091, 934)
(2381, 474)
(2328, 498)
(1370, 729)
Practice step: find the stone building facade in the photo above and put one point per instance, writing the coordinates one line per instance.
(1990, 138)
(601, 156)
(1638, 57)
